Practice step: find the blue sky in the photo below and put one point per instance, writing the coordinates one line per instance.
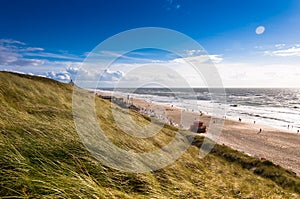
(52, 38)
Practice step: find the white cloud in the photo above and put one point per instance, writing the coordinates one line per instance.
(216, 58)
(59, 76)
(17, 53)
(127, 71)
(16, 56)
(199, 59)
(27, 62)
(11, 41)
(191, 53)
(29, 49)
(258, 47)
(53, 55)
(288, 52)
(11, 54)
(280, 46)
(239, 74)
(63, 67)
(10, 57)
(108, 75)
(87, 77)
(7, 57)
(72, 70)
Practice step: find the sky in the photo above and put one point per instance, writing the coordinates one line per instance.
(251, 43)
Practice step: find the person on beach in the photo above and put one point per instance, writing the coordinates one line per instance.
(240, 119)
(260, 130)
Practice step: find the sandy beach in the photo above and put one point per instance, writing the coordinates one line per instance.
(279, 146)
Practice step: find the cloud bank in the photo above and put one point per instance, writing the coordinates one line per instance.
(17, 56)
(288, 52)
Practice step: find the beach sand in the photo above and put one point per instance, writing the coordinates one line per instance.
(279, 146)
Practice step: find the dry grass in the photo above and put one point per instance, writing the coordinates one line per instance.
(41, 155)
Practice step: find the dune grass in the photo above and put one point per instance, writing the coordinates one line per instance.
(41, 155)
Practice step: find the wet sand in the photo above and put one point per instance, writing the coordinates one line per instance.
(279, 146)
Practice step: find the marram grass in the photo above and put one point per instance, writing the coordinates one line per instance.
(41, 155)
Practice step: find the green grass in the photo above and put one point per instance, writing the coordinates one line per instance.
(41, 155)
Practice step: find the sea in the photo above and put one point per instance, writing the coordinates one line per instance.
(276, 107)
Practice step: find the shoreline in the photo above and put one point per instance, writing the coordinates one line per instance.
(279, 146)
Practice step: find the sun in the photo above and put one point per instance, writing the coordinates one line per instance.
(260, 30)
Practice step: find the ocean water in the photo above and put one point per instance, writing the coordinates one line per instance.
(277, 107)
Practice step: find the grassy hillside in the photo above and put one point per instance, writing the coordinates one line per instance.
(41, 155)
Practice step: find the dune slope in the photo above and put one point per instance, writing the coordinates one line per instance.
(41, 155)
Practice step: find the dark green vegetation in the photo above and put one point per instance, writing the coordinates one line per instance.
(41, 155)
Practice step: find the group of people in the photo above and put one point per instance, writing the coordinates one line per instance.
(260, 130)
(288, 126)
(160, 116)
